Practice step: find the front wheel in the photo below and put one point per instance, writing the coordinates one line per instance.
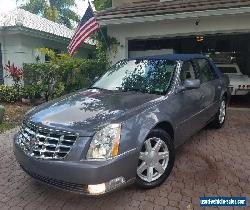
(156, 159)
(220, 116)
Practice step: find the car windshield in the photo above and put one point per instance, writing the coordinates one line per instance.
(228, 70)
(149, 76)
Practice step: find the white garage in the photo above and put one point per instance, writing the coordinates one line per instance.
(155, 27)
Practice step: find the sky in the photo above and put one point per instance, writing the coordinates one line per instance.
(8, 5)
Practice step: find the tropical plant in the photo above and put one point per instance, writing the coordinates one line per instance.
(102, 4)
(104, 42)
(32, 91)
(8, 94)
(62, 75)
(59, 11)
(15, 74)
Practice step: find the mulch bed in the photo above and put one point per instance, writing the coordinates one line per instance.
(14, 113)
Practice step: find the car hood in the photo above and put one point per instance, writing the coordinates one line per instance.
(239, 79)
(86, 111)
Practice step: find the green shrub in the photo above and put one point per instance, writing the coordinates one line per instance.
(32, 91)
(8, 94)
(61, 75)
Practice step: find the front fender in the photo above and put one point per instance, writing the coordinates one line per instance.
(136, 129)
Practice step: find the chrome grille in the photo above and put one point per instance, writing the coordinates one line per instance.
(45, 143)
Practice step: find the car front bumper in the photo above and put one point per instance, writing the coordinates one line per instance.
(238, 91)
(77, 176)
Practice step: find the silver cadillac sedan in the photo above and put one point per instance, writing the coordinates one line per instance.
(126, 127)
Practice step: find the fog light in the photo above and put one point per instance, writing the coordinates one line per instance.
(114, 183)
(97, 189)
(105, 187)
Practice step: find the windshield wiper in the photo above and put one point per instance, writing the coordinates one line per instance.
(98, 88)
(131, 90)
(140, 90)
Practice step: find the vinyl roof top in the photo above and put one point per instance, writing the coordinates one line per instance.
(182, 57)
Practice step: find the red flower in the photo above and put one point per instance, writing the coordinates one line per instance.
(14, 72)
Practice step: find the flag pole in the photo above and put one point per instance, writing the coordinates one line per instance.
(106, 43)
(108, 47)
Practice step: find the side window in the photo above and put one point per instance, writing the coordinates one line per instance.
(206, 71)
(187, 71)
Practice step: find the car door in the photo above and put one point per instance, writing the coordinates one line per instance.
(210, 88)
(187, 105)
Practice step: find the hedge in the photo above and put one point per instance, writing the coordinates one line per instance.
(54, 79)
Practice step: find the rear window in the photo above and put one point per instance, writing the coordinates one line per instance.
(228, 69)
(207, 72)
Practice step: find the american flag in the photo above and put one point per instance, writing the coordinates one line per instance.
(86, 27)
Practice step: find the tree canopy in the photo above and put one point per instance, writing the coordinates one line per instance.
(102, 4)
(59, 11)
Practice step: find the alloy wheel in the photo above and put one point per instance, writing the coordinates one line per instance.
(153, 159)
(222, 114)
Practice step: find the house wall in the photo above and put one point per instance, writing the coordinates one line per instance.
(173, 28)
(11, 51)
(20, 48)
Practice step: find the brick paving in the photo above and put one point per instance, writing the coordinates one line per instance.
(212, 163)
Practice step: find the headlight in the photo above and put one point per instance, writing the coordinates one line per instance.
(105, 143)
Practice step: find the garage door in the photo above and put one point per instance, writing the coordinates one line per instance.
(145, 53)
(237, 44)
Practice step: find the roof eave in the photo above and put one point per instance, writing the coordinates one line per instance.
(182, 15)
(41, 34)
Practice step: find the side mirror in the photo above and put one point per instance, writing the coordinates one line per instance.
(192, 84)
(95, 79)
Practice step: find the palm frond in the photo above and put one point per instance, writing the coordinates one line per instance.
(35, 6)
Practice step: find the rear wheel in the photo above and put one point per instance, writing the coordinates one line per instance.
(156, 159)
(220, 116)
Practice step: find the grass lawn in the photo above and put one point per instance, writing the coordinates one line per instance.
(13, 117)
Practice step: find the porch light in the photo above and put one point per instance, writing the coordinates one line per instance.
(199, 38)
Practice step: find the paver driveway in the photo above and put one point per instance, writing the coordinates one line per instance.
(212, 163)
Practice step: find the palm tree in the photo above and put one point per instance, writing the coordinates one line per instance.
(102, 4)
(59, 11)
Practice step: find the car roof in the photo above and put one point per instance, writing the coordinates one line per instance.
(226, 64)
(174, 57)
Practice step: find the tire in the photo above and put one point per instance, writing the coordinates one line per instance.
(158, 138)
(218, 122)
